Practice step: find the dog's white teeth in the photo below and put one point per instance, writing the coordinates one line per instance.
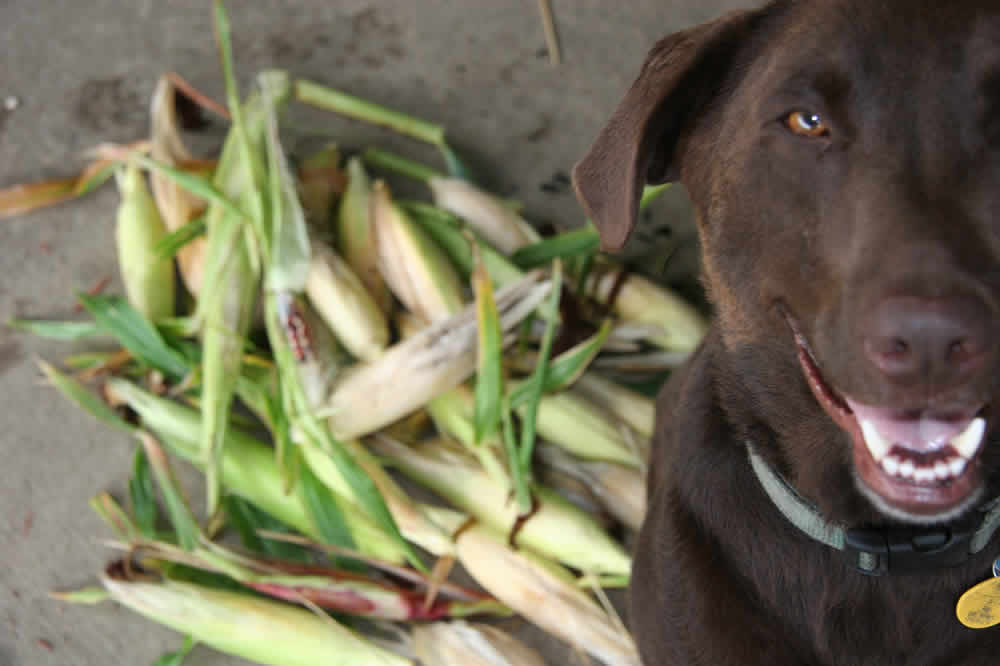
(906, 469)
(876, 443)
(968, 441)
(942, 470)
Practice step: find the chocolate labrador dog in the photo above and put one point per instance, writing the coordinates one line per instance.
(824, 478)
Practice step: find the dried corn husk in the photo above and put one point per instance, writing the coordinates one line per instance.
(545, 594)
(621, 490)
(461, 643)
(430, 362)
(177, 205)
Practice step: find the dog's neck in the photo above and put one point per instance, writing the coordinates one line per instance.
(878, 551)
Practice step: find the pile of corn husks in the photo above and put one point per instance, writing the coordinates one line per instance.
(325, 332)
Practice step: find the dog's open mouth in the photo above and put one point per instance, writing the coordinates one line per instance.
(920, 466)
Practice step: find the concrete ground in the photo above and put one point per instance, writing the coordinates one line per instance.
(82, 73)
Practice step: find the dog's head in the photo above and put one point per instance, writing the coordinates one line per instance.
(843, 160)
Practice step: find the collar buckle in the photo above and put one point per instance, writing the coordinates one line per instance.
(877, 551)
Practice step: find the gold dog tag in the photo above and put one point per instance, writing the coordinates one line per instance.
(979, 607)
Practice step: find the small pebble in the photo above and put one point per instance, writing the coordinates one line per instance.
(10, 102)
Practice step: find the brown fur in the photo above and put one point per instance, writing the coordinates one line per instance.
(901, 198)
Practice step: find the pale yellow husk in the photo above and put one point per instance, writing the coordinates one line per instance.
(496, 221)
(342, 300)
(417, 271)
(428, 363)
(681, 326)
(631, 407)
(620, 490)
(545, 594)
(148, 279)
(462, 643)
(556, 529)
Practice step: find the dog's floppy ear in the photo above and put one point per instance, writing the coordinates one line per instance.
(637, 147)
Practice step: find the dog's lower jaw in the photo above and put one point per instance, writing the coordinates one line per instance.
(896, 513)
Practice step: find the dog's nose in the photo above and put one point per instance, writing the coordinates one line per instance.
(941, 341)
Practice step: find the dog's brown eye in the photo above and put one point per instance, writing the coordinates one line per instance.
(806, 123)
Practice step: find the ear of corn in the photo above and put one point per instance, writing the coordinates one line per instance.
(430, 362)
(491, 217)
(631, 407)
(356, 233)
(576, 424)
(545, 594)
(621, 490)
(417, 271)
(637, 299)
(177, 205)
(461, 643)
(148, 280)
(227, 304)
(249, 470)
(266, 632)
(346, 305)
(556, 529)
(458, 239)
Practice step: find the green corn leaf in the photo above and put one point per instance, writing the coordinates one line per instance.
(489, 379)
(83, 398)
(58, 330)
(181, 518)
(143, 495)
(170, 244)
(135, 333)
(300, 412)
(290, 250)
(177, 658)
(383, 159)
(456, 168)
(86, 360)
(323, 97)
(538, 379)
(85, 596)
(651, 193)
(248, 520)
(575, 243)
(251, 158)
(326, 515)
(565, 368)
(108, 510)
(194, 184)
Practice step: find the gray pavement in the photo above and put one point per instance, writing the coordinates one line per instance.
(82, 73)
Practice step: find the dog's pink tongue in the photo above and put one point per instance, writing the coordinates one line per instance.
(923, 433)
